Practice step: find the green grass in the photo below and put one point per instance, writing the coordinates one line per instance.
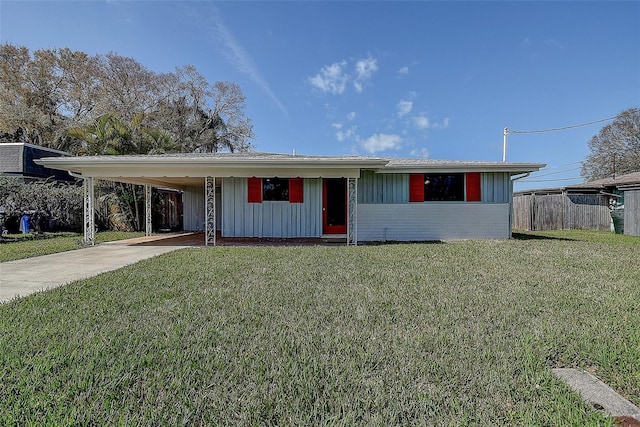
(19, 246)
(461, 333)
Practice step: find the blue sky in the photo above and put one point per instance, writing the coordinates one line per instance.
(406, 79)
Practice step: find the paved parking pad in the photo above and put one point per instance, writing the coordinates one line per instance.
(26, 276)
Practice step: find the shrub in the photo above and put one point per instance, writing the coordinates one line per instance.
(51, 205)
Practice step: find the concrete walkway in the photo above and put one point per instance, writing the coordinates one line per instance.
(26, 276)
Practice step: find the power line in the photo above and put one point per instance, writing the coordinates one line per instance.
(546, 168)
(551, 180)
(552, 173)
(509, 131)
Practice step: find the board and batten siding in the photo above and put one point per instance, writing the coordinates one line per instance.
(390, 188)
(632, 212)
(193, 208)
(270, 219)
(383, 187)
(385, 213)
(433, 221)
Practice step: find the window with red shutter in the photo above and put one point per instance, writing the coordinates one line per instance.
(296, 190)
(474, 192)
(416, 187)
(254, 190)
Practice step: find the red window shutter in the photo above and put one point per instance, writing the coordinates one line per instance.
(296, 190)
(474, 193)
(254, 190)
(416, 187)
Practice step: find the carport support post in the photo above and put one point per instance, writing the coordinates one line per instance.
(352, 211)
(89, 215)
(210, 211)
(147, 209)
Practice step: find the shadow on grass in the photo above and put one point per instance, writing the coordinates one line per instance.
(524, 236)
(397, 242)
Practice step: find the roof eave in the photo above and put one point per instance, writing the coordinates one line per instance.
(513, 168)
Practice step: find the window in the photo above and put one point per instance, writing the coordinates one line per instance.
(275, 190)
(445, 187)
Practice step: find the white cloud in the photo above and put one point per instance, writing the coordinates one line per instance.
(364, 70)
(343, 134)
(351, 116)
(421, 121)
(404, 108)
(331, 79)
(403, 71)
(382, 142)
(334, 78)
(420, 152)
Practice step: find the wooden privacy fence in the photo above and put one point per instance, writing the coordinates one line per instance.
(561, 212)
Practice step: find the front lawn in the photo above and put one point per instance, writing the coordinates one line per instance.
(460, 333)
(20, 246)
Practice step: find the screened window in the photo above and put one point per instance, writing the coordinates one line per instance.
(445, 187)
(275, 189)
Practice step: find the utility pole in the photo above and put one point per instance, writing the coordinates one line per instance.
(504, 145)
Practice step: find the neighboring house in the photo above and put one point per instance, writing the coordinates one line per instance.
(581, 206)
(290, 196)
(17, 159)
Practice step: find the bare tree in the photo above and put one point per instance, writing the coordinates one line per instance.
(616, 148)
(205, 118)
(47, 98)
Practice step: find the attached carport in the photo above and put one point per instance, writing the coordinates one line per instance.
(183, 172)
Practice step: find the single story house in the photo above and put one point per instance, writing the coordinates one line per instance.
(290, 196)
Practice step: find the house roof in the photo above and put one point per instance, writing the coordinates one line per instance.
(181, 170)
(434, 165)
(622, 181)
(17, 159)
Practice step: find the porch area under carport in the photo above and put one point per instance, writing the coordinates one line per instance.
(210, 223)
(197, 239)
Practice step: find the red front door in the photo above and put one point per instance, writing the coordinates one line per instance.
(334, 206)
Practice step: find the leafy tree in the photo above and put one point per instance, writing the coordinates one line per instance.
(616, 145)
(47, 96)
(113, 105)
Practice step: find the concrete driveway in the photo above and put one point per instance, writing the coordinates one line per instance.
(26, 276)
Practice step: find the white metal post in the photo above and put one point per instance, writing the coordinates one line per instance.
(147, 209)
(352, 211)
(210, 211)
(89, 215)
(504, 145)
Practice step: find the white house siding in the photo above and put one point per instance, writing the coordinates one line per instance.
(193, 208)
(433, 221)
(383, 187)
(496, 187)
(632, 212)
(270, 219)
(389, 188)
